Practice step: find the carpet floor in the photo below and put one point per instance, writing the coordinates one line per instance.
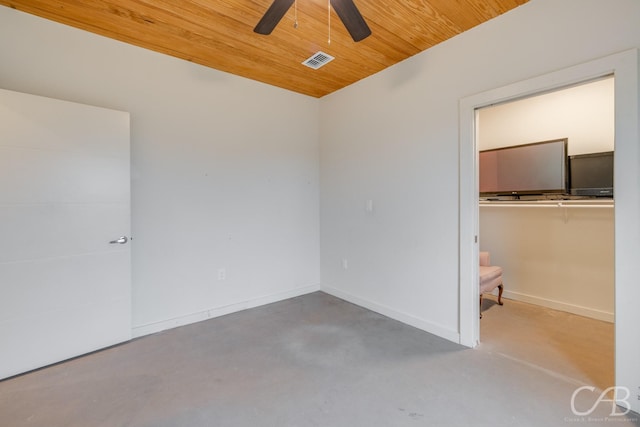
(313, 360)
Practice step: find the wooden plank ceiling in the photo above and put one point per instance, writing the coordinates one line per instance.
(219, 33)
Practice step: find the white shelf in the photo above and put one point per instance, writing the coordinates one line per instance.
(590, 204)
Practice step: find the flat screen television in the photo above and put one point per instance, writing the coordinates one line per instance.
(538, 168)
(591, 174)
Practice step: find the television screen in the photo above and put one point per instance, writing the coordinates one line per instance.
(537, 168)
(592, 174)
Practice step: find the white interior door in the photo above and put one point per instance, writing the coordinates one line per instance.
(64, 195)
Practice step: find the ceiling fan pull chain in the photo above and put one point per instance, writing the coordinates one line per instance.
(329, 20)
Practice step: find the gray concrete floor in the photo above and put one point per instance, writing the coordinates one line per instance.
(580, 349)
(309, 361)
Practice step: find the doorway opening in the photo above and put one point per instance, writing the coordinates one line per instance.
(624, 67)
(556, 249)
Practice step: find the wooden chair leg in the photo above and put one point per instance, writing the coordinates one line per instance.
(500, 289)
(481, 306)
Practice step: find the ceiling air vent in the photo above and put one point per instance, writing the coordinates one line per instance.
(318, 59)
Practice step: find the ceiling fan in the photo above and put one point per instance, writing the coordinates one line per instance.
(346, 10)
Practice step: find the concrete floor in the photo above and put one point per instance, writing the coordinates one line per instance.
(579, 348)
(309, 361)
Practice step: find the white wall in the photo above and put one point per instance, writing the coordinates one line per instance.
(561, 258)
(393, 138)
(584, 114)
(224, 169)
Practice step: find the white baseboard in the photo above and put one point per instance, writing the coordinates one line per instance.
(151, 328)
(558, 305)
(432, 328)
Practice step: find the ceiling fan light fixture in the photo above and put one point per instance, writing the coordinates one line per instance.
(345, 9)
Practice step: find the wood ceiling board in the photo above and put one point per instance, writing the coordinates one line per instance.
(219, 33)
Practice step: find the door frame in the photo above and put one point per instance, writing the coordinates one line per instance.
(624, 67)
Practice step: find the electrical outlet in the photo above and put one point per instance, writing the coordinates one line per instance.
(345, 264)
(222, 274)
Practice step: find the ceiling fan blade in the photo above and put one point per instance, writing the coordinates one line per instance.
(272, 16)
(352, 19)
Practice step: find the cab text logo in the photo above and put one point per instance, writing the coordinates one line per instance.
(622, 400)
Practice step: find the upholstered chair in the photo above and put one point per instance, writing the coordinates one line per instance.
(490, 278)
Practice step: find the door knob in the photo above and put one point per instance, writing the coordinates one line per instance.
(122, 240)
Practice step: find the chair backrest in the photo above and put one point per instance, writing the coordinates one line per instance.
(484, 258)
